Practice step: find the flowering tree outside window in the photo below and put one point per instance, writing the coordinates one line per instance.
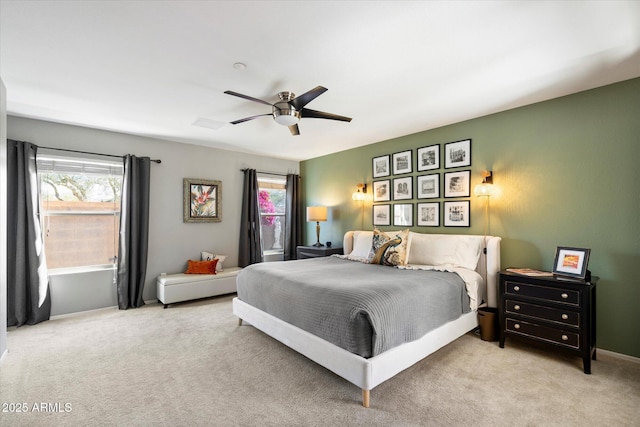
(266, 206)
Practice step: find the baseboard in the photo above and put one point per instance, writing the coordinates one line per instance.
(618, 355)
(95, 310)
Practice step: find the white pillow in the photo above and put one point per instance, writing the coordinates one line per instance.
(361, 245)
(442, 249)
(208, 256)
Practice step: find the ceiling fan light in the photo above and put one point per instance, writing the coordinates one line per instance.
(288, 117)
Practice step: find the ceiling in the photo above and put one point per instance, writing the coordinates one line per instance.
(153, 68)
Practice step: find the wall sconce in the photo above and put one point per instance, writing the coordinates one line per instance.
(359, 196)
(317, 214)
(486, 187)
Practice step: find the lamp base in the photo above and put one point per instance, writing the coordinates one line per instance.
(318, 244)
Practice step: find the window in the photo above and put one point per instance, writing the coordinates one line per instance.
(272, 196)
(80, 210)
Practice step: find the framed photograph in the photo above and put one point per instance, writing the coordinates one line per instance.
(428, 186)
(428, 158)
(429, 214)
(456, 214)
(403, 188)
(381, 215)
(403, 214)
(457, 184)
(571, 262)
(382, 191)
(381, 166)
(202, 200)
(402, 162)
(457, 154)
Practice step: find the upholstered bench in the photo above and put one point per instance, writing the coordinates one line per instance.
(183, 287)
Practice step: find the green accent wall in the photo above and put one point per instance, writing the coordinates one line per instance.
(567, 173)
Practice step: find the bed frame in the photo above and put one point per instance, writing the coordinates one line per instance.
(368, 373)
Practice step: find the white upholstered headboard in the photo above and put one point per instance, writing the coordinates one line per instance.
(488, 264)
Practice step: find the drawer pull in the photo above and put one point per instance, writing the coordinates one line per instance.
(565, 338)
(564, 296)
(516, 307)
(517, 326)
(516, 288)
(565, 316)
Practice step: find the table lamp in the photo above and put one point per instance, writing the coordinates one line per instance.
(317, 214)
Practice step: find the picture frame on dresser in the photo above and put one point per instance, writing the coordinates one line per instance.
(571, 262)
(402, 162)
(381, 166)
(381, 215)
(457, 154)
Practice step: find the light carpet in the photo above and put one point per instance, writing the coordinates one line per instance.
(192, 365)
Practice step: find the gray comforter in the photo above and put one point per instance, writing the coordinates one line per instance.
(364, 308)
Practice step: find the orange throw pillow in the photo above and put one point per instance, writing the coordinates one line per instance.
(201, 267)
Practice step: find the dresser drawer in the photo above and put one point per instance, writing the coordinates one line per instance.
(564, 317)
(564, 296)
(557, 336)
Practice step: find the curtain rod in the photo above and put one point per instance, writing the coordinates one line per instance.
(89, 152)
(265, 172)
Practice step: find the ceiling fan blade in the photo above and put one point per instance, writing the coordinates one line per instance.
(300, 101)
(246, 119)
(322, 115)
(250, 98)
(294, 130)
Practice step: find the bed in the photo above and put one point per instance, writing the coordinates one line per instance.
(269, 294)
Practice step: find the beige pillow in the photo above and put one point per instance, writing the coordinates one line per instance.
(208, 256)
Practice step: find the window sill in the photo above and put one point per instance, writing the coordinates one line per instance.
(80, 270)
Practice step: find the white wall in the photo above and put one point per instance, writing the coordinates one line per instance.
(171, 242)
(3, 220)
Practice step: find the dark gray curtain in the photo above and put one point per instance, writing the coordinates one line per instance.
(250, 242)
(28, 299)
(134, 232)
(293, 227)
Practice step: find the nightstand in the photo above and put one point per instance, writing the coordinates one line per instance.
(316, 251)
(557, 312)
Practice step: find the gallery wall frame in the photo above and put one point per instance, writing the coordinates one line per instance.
(382, 190)
(381, 215)
(428, 214)
(402, 162)
(457, 184)
(457, 154)
(403, 188)
(428, 186)
(457, 214)
(403, 214)
(381, 166)
(428, 158)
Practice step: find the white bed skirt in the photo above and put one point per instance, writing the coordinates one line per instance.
(364, 373)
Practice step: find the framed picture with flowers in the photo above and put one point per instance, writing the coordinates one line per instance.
(202, 200)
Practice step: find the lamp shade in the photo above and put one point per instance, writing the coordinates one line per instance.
(316, 213)
(483, 190)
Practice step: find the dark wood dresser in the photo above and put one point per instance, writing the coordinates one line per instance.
(561, 313)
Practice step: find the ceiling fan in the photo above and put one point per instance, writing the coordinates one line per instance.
(290, 108)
